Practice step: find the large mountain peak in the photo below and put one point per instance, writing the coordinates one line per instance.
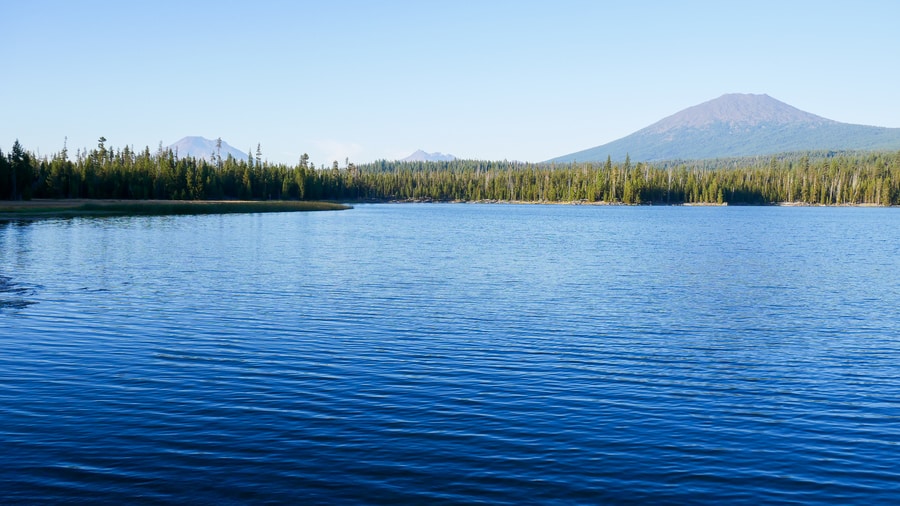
(739, 125)
(737, 109)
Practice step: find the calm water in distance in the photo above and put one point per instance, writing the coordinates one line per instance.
(453, 354)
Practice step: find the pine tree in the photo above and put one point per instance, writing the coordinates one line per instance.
(5, 177)
(218, 154)
(22, 174)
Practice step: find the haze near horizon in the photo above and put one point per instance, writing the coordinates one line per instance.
(501, 80)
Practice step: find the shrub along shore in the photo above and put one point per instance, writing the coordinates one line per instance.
(52, 208)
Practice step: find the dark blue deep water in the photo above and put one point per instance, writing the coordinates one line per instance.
(453, 354)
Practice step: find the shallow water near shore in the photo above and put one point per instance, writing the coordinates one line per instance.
(432, 353)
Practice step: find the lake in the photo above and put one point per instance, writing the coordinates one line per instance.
(453, 353)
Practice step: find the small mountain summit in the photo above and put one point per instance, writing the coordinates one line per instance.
(421, 156)
(201, 147)
(739, 125)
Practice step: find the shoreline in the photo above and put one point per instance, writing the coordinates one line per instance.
(66, 208)
(611, 204)
(73, 208)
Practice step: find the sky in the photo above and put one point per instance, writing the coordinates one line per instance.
(368, 80)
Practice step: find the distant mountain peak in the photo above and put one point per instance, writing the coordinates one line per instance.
(200, 147)
(422, 156)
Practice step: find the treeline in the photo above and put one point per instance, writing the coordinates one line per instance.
(829, 179)
(861, 178)
(106, 173)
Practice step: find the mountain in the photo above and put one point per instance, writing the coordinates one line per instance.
(421, 156)
(739, 125)
(199, 147)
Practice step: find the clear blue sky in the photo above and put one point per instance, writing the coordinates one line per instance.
(515, 80)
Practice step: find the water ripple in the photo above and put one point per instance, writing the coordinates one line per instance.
(373, 358)
(14, 295)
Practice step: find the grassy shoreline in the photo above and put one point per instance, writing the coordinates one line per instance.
(63, 208)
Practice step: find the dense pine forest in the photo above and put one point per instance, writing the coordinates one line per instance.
(108, 173)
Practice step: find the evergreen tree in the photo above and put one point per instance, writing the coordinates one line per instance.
(5, 177)
(218, 154)
(21, 172)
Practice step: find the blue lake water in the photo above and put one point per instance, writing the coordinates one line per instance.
(453, 354)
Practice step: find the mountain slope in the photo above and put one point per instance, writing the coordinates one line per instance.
(421, 156)
(739, 125)
(200, 147)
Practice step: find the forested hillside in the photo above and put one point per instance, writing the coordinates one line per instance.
(107, 173)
